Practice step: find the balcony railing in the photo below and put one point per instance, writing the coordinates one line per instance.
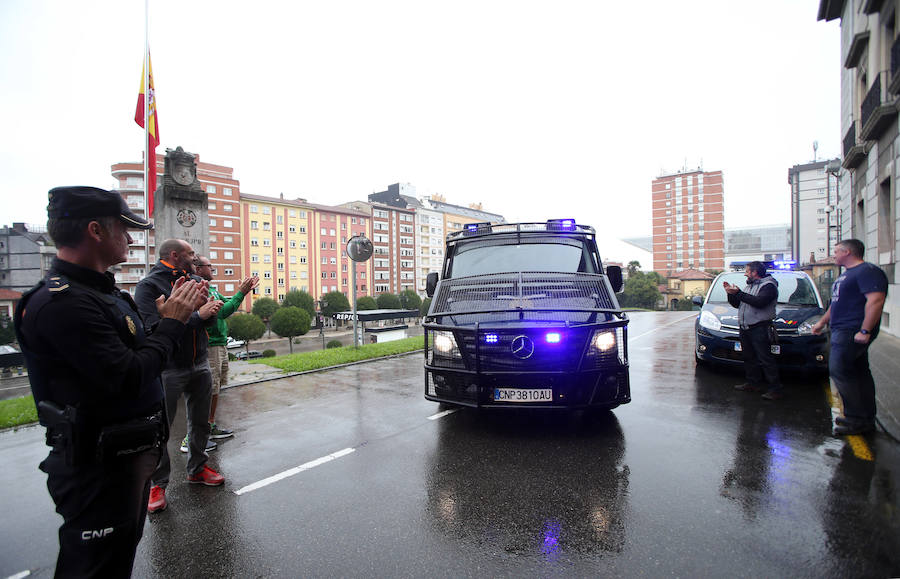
(895, 67)
(876, 112)
(854, 151)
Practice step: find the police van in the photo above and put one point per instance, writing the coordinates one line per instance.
(525, 315)
(799, 307)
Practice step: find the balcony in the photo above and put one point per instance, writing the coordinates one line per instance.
(877, 111)
(895, 67)
(854, 151)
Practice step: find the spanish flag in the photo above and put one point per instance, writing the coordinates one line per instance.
(152, 134)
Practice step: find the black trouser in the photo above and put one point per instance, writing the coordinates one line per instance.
(759, 362)
(103, 506)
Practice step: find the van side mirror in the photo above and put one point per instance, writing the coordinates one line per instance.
(614, 275)
(431, 284)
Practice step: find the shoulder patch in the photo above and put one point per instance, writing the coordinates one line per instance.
(57, 284)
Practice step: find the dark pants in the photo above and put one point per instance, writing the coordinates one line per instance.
(849, 368)
(103, 508)
(195, 384)
(759, 362)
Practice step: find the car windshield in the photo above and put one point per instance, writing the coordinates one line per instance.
(793, 289)
(562, 255)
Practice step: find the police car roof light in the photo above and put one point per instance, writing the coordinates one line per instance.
(561, 224)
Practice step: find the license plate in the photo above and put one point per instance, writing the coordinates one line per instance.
(737, 347)
(776, 349)
(523, 395)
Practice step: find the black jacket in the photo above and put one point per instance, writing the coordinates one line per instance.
(192, 348)
(85, 345)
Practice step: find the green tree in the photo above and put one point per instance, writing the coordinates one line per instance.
(641, 290)
(366, 303)
(290, 321)
(410, 300)
(337, 302)
(300, 299)
(633, 267)
(246, 327)
(264, 308)
(426, 305)
(388, 301)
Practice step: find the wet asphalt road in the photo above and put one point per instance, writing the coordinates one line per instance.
(690, 479)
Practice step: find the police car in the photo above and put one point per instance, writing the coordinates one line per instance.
(525, 315)
(799, 308)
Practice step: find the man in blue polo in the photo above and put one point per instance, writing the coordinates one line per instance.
(857, 300)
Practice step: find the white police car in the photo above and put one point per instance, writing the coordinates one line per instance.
(799, 308)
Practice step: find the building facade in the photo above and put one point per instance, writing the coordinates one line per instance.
(223, 192)
(763, 243)
(26, 252)
(867, 178)
(688, 222)
(813, 219)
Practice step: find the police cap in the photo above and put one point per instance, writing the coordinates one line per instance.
(81, 202)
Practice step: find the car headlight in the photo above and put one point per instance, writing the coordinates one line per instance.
(601, 342)
(805, 328)
(444, 344)
(710, 321)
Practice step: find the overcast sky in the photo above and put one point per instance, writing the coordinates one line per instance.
(535, 109)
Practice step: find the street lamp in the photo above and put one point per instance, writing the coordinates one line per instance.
(833, 168)
(323, 303)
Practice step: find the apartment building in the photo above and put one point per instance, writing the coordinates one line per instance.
(688, 221)
(294, 244)
(867, 178)
(26, 253)
(223, 192)
(813, 216)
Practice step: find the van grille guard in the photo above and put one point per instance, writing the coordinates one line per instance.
(523, 292)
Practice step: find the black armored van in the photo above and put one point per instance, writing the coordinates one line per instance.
(525, 315)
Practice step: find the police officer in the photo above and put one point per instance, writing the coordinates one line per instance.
(95, 375)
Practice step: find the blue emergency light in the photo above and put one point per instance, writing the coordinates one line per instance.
(561, 224)
(491, 338)
(784, 264)
(553, 337)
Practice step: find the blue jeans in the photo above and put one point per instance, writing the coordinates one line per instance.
(849, 367)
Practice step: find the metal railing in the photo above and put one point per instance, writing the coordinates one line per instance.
(850, 139)
(873, 99)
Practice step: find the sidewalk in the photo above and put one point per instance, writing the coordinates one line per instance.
(884, 359)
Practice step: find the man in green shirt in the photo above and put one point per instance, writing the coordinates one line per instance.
(218, 338)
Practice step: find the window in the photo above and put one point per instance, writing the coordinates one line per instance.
(227, 207)
(323, 231)
(226, 191)
(267, 210)
(332, 261)
(302, 259)
(281, 266)
(229, 255)
(229, 287)
(212, 238)
(227, 223)
(302, 245)
(293, 275)
(302, 229)
(292, 243)
(254, 225)
(344, 226)
(212, 205)
(254, 209)
(213, 254)
(279, 250)
(212, 222)
(268, 291)
(229, 271)
(267, 226)
(292, 213)
(324, 245)
(281, 281)
(292, 259)
(279, 219)
(324, 261)
(267, 275)
(267, 242)
(279, 234)
(267, 258)
(331, 232)
(226, 239)
(292, 229)
(254, 258)
(211, 189)
(333, 275)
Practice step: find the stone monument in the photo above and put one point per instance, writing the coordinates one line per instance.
(180, 204)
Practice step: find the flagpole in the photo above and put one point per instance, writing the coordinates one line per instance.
(148, 166)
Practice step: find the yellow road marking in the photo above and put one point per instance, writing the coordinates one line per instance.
(857, 443)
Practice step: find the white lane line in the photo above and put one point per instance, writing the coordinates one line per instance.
(657, 328)
(19, 575)
(443, 414)
(293, 471)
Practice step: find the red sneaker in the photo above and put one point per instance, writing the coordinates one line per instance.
(157, 500)
(207, 476)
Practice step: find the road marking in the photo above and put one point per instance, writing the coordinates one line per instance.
(291, 472)
(857, 443)
(19, 575)
(442, 414)
(632, 338)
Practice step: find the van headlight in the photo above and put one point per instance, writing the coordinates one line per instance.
(709, 321)
(602, 341)
(805, 328)
(444, 344)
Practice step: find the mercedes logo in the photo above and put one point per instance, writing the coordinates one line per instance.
(522, 347)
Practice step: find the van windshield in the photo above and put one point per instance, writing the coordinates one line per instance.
(793, 289)
(480, 258)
